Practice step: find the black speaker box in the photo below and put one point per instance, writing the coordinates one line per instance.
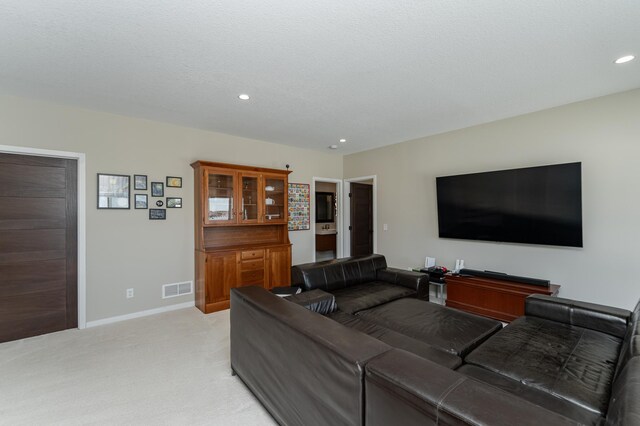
(505, 277)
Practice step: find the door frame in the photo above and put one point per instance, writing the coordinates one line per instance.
(82, 216)
(339, 215)
(347, 212)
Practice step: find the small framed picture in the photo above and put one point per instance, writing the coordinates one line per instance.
(140, 182)
(142, 201)
(174, 202)
(157, 214)
(157, 189)
(113, 191)
(174, 182)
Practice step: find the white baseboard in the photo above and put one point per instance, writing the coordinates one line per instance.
(140, 314)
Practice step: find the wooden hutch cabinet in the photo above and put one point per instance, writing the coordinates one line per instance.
(241, 235)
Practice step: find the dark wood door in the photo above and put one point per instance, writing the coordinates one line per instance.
(361, 219)
(38, 245)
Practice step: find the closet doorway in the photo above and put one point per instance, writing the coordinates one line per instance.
(38, 245)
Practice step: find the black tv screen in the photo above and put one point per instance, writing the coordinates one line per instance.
(534, 205)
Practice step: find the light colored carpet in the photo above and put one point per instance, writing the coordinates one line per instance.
(166, 369)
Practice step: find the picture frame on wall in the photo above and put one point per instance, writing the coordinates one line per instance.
(140, 182)
(157, 189)
(157, 214)
(174, 202)
(174, 182)
(141, 201)
(114, 191)
(299, 207)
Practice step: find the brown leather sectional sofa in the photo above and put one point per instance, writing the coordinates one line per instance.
(564, 362)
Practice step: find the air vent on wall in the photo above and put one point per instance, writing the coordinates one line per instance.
(177, 289)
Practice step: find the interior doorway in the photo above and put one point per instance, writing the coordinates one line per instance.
(360, 211)
(361, 201)
(326, 218)
(42, 156)
(38, 250)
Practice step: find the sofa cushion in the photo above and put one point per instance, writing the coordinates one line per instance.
(536, 396)
(606, 319)
(363, 296)
(569, 362)
(398, 340)
(338, 273)
(452, 330)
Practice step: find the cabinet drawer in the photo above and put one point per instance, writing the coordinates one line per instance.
(251, 265)
(252, 277)
(252, 254)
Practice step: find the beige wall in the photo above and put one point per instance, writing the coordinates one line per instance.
(604, 134)
(124, 248)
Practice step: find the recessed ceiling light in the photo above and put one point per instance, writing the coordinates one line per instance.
(625, 59)
(244, 97)
(333, 147)
(343, 140)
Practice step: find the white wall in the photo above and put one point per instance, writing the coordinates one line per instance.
(124, 248)
(604, 134)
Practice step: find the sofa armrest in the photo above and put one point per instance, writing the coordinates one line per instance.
(605, 319)
(427, 393)
(417, 281)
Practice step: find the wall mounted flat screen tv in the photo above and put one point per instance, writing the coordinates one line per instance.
(533, 205)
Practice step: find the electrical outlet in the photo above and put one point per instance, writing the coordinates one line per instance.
(129, 293)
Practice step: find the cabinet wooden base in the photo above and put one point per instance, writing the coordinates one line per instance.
(501, 300)
(215, 307)
(220, 271)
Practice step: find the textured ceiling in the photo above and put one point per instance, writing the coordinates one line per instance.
(375, 72)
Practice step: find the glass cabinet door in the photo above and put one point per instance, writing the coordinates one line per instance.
(249, 202)
(219, 206)
(275, 199)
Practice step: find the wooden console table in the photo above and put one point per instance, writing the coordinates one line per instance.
(501, 300)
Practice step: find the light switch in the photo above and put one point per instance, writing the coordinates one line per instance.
(385, 227)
